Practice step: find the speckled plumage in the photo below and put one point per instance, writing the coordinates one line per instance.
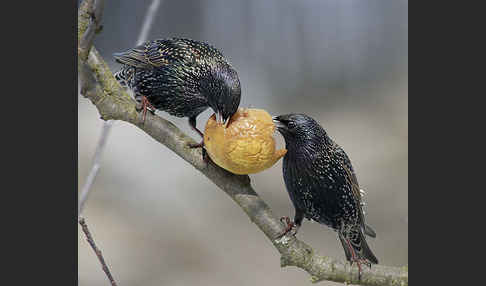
(181, 76)
(322, 184)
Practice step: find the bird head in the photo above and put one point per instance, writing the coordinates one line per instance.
(224, 94)
(299, 129)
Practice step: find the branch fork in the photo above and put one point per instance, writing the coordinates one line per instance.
(113, 103)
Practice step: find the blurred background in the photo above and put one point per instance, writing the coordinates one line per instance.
(160, 222)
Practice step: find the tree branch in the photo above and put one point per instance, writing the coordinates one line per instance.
(85, 43)
(93, 11)
(96, 165)
(113, 103)
(91, 242)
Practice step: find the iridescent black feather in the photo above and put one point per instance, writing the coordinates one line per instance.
(322, 184)
(181, 76)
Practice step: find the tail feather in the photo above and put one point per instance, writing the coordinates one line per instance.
(347, 251)
(366, 251)
(356, 244)
(135, 57)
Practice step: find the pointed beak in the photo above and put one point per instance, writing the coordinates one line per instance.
(226, 121)
(219, 118)
(277, 122)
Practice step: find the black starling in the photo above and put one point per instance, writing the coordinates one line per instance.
(182, 77)
(322, 185)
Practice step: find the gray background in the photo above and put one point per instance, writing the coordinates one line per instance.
(160, 222)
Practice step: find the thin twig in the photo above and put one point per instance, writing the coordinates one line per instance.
(95, 12)
(113, 103)
(92, 10)
(147, 25)
(148, 22)
(96, 164)
(91, 242)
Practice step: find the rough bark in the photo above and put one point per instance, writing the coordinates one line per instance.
(113, 103)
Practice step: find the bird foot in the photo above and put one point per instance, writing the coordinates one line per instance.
(144, 105)
(291, 227)
(196, 145)
(204, 152)
(205, 155)
(358, 261)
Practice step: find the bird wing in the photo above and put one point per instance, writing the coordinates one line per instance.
(134, 57)
(351, 177)
(148, 55)
(353, 181)
(159, 53)
(357, 198)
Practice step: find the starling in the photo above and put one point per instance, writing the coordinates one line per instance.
(182, 77)
(322, 185)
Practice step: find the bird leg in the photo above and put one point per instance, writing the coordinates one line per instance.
(358, 261)
(291, 226)
(145, 105)
(197, 145)
(192, 123)
(205, 155)
(354, 258)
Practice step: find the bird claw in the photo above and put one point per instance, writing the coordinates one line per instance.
(143, 106)
(290, 227)
(205, 156)
(196, 145)
(359, 262)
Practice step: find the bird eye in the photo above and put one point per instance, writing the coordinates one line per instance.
(291, 124)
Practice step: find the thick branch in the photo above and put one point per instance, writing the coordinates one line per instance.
(85, 44)
(91, 11)
(113, 103)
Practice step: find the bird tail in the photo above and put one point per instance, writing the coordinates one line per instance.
(356, 247)
(135, 57)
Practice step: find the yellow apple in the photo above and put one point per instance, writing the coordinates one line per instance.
(246, 145)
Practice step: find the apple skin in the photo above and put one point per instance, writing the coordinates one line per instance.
(246, 145)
